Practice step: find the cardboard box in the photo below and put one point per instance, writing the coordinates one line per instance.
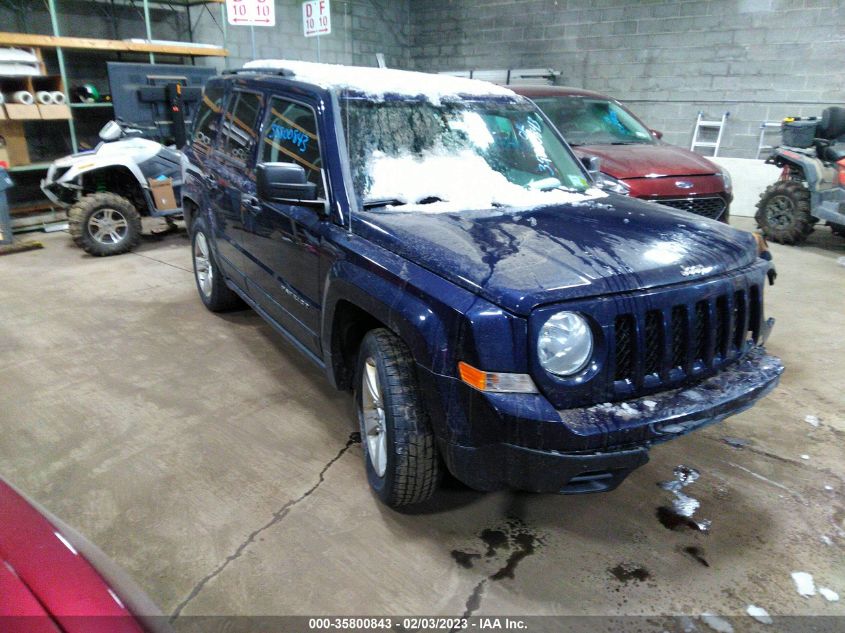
(57, 111)
(20, 112)
(4, 158)
(162, 193)
(14, 143)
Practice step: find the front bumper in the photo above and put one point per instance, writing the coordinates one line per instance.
(519, 441)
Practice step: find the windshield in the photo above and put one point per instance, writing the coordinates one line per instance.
(592, 121)
(456, 155)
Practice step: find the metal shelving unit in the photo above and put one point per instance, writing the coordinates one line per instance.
(62, 43)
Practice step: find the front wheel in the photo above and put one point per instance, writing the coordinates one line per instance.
(783, 213)
(104, 224)
(399, 446)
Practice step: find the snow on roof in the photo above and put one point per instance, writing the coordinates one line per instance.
(381, 81)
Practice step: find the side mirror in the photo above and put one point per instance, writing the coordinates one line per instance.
(593, 166)
(110, 131)
(656, 134)
(283, 182)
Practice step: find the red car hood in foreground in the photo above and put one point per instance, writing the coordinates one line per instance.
(47, 583)
(638, 161)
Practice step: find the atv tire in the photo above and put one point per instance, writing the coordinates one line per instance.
(783, 213)
(400, 450)
(104, 224)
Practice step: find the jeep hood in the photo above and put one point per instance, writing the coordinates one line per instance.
(519, 259)
(641, 161)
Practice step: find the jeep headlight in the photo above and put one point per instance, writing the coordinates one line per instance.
(565, 344)
(726, 179)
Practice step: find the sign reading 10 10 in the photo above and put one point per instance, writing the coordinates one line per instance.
(316, 18)
(251, 12)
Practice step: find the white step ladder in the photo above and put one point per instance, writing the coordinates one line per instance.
(701, 124)
(765, 128)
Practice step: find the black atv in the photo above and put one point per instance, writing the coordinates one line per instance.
(811, 187)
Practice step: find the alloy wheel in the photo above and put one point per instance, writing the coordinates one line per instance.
(373, 417)
(202, 264)
(108, 226)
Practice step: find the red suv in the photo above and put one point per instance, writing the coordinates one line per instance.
(634, 160)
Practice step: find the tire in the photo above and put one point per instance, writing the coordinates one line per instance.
(104, 224)
(401, 458)
(211, 285)
(783, 213)
(838, 229)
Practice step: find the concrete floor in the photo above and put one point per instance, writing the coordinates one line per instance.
(212, 462)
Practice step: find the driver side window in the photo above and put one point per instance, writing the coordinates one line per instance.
(290, 136)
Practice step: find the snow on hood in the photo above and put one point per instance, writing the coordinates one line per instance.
(382, 81)
(462, 181)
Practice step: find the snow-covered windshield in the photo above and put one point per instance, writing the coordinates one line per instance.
(457, 154)
(593, 121)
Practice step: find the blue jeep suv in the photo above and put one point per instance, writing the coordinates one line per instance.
(435, 246)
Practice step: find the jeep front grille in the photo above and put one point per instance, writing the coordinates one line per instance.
(712, 208)
(665, 345)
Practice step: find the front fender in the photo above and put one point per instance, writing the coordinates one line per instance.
(428, 326)
(809, 166)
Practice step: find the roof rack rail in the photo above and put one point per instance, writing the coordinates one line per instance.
(281, 72)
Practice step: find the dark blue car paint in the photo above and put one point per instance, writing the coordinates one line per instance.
(475, 286)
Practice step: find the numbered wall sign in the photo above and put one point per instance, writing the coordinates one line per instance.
(251, 12)
(316, 18)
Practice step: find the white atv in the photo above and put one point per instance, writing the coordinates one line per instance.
(108, 190)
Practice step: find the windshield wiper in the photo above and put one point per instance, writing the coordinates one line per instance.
(383, 202)
(559, 188)
(627, 143)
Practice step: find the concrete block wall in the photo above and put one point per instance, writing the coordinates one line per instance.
(669, 59)
(360, 29)
(758, 59)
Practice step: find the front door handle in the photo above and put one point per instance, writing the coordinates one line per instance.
(252, 203)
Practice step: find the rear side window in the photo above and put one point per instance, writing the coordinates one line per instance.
(290, 136)
(207, 120)
(240, 125)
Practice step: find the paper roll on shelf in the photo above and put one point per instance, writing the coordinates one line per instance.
(44, 97)
(23, 97)
(59, 97)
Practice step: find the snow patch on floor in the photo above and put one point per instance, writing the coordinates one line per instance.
(804, 583)
(717, 623)
(759, 614)
(829, 594)
(683, 504)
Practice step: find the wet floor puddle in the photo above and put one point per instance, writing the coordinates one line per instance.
(501, 548)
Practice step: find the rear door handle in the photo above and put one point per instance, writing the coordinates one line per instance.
(252, 203)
